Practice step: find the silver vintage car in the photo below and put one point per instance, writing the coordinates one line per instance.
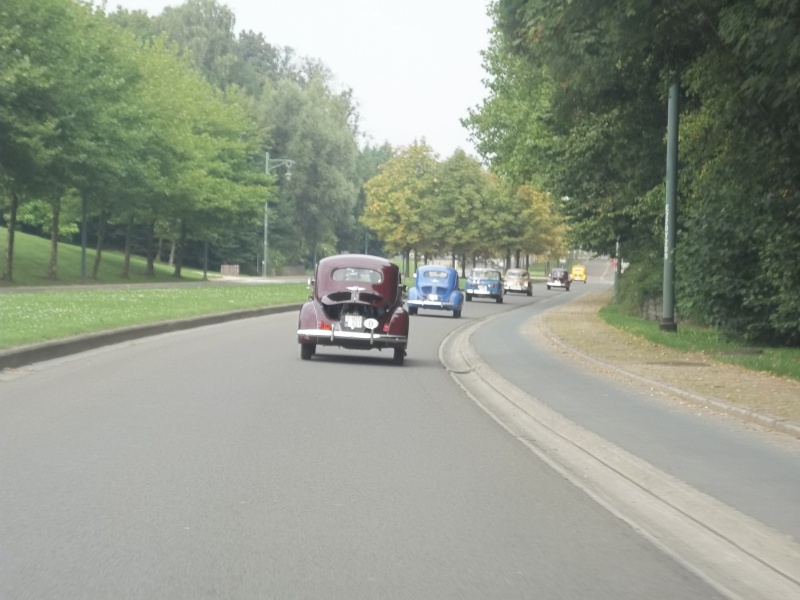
(518, 281)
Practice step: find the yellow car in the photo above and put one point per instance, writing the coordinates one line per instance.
(578, 273)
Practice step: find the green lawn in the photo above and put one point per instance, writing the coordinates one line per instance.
(30, 317)
(784, 362)
(32, 256)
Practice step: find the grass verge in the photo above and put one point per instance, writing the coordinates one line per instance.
(33, 317)
(32, 257)
(784, 362)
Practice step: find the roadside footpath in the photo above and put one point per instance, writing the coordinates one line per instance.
(576, 331)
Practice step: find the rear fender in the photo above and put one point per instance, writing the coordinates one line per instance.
(308, 318)
(398, 324)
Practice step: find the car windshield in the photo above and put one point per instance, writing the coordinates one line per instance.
(516, 274)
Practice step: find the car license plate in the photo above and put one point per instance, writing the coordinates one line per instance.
(353, 321)
(482, 288)
(433, 297)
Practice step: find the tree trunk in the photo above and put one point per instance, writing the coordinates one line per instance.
(126, 262)
(101, 234)
(52, 267)
(178, 250)
(8, 270)
(158, 249)
(172, 254)
(463, 265)
(149, 270)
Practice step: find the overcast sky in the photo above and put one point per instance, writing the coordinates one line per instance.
(414, 65)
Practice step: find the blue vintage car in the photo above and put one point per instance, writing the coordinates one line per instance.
(436, 287)
(485, 282)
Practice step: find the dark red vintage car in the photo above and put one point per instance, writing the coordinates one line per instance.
(356, 303)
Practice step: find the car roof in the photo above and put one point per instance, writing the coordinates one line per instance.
(358, 261)
(386, 288)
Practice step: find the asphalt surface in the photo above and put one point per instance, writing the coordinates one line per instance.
(747, 486)
(214, 463)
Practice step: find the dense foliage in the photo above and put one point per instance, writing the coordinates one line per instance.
(578, 106)
(455, 207)
(158, 129)
(159, 126)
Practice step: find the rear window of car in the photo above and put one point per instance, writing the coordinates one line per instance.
(434, 275)
(517, 274)
(355, 274)
(483, 274)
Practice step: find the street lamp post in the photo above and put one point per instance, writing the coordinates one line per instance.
(271, 165)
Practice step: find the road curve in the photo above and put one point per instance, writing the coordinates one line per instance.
(214, 463)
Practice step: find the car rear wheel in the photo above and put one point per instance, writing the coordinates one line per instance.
(529, 291)
(412, 310)
(469, 297)
(307, 351)
(499, 299)
(456, 314)
(399, 356)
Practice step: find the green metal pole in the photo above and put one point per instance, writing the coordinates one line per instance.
(617, 272)
(269, 165)
(668, 316)
(84, 222)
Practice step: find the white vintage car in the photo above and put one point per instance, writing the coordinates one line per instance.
(518, 281)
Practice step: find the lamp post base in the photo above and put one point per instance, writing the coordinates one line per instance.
(668, 325)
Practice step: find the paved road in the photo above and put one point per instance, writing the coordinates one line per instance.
(756, 472)
(214, 463)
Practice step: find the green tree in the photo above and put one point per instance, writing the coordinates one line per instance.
(397, 196)
(312, 126)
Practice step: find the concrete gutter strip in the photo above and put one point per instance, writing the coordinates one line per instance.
(24, 355)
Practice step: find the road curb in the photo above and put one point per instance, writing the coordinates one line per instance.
(736, 554)
(24, 355)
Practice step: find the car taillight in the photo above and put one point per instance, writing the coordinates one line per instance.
(323, 325)
(385, 328)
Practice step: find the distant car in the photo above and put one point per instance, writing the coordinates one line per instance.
(518, 281)
(436, 288)
(578, 273)
(356, 303)
(485, 282)
(558, 278)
